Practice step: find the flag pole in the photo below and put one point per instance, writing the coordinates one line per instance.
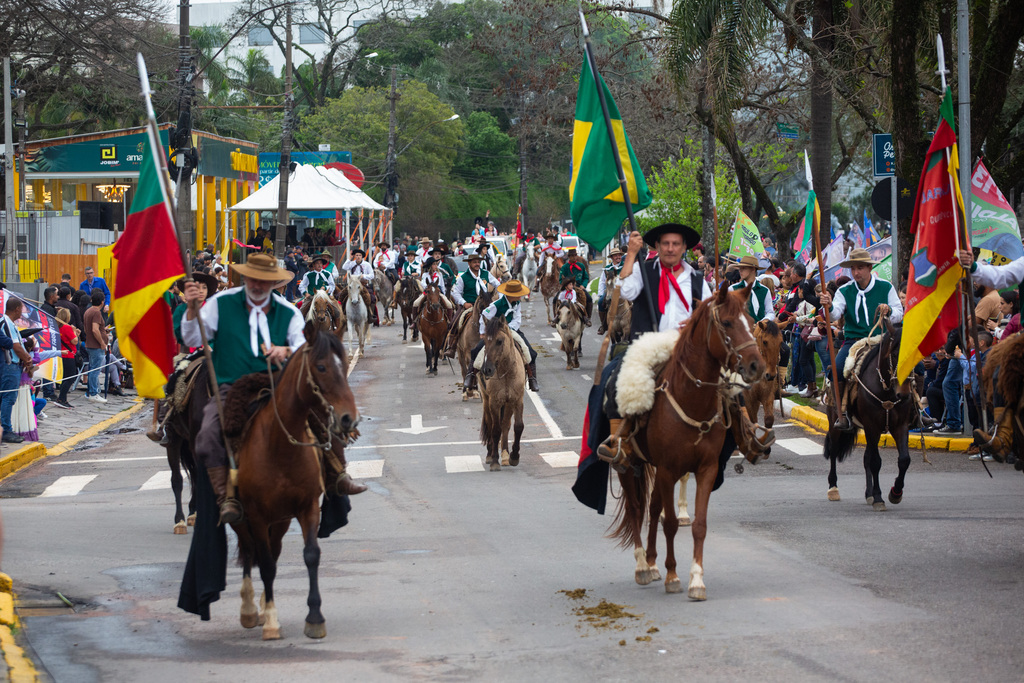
(714, 218)
(815, 229)
(165, 181)
(618, 159)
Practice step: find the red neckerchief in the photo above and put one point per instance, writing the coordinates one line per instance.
(668, 280)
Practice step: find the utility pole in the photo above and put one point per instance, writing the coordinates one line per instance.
(182, 142)
(286, 143)
(522, 182)
(10, 255)
(391, 171)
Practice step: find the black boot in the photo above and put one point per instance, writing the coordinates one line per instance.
(230, 508)
(531, 376)
(469, 383)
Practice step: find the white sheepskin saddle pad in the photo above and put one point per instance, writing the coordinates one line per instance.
(634, 389)
(858, 352)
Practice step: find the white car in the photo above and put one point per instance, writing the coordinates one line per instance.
(574, 241)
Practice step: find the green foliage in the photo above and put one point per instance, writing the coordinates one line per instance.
(490, 155)
(676, 190)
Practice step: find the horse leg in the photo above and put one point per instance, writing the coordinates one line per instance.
(872, 466)
(663, 489)
(684, 514)
(316, 626)
(268, 572)
(250, 614)
(705, 480)
(494, 439)
(647, 564)
(896, 492)
(513, 458)
(506, 425)
(833, 477)
(426, 351)
(177, 484)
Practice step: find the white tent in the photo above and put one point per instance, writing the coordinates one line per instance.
(310, 188)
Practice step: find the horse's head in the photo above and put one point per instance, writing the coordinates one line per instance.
(730, 335)
(496, 338)
(325, 387)
(323, 312)
(355, 287)
(483, 301)
(888, 358)
(769, 343)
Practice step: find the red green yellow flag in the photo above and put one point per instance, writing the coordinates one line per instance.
(148, 262)
(931, 309)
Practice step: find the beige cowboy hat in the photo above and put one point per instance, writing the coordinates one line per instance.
(263, 267)
(858, 257)
(426, 240)
(748, 262)
(513, 289)
(615, 252)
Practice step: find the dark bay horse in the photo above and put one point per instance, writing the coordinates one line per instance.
(469, 337)
(433, 326)
(685, 432)
(502, 384)
(408, 294)
(279, 472)
(880, 405)
(179, 430)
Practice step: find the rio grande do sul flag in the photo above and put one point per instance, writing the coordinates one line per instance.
(935, 271)
(597, 207)
(148, 262)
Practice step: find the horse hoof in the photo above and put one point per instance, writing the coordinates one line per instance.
(895, 498)
(513, 460)
(250, 620)
(833, 494)
(191, 519)
(674, 586)
(271, 633)
(495, 467)
(315, 630)
(465, 397)
(180, 528)
(878, 507)
(504, 458)
(870, 500)
(655, 574)
(644, 576)
(684, 520)
(698, 593)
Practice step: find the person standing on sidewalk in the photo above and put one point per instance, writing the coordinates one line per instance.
(95, 345)
(68, 349)
(10, 375)
(91, 282)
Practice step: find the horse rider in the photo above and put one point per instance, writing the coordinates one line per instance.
(1000, 441)
(468, 286)
(439, 254)
(329, 265)
(432, 276)
(410, 268)
(423, 253)
(759, 305)
(485, 253)
(246, 327)
(509, 305)
(357, 267)
(574, 270)
(384, 260)
(604, 286)
(550, 249)
(859, 303)
(568, 295)
(316, 279)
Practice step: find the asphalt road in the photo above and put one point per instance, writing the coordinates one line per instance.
(450, 572)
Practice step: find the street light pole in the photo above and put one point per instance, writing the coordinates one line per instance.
(286, 143)
(391, 172)
(182, 142)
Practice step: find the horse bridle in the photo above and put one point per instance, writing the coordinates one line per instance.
(732, 352)
(332, 417)
(887, 385)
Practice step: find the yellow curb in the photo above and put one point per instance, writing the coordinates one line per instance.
(26, 455)
(19, 667)
(7, 617)
(5, 583)
(816, 420)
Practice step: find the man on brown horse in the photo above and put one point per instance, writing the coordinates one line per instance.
(675, 289)
(508, 305)
(246, 326)
(606, 278)
(468, 286)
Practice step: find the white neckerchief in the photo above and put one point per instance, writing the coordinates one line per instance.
(258, 325)
(862, 300)
(755, 301)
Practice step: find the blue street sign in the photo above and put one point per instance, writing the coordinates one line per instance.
(883, 154)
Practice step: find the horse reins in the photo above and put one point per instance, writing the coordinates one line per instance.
(331, 416)
(887, 406)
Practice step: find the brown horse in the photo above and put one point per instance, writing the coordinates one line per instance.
(470, 337)
(502, 383)
(621, 322)
(761, 394)
(325, 313)
(433, 326)
(407, 295)
(685, 432)
(549, 280)
(279, 472)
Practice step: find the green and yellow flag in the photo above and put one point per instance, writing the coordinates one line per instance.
(746, 238)
(597, 204)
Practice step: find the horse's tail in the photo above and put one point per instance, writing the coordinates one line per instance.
(839, 444)
(632, 509)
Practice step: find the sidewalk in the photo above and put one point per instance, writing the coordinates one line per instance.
(60, 432)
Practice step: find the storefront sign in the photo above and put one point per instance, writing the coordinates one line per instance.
(107, 157)
(223, 159)
(270, 162)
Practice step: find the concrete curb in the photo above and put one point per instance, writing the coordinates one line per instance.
(817, 421)
(17, 667)
(26, 455)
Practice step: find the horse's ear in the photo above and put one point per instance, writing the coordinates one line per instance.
(762, 324)
(723, 294)
(309, 331)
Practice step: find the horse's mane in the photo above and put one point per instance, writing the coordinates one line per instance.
(771, 328)
(324, 343)
(494, 325)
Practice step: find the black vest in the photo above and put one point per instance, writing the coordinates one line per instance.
(641, 311)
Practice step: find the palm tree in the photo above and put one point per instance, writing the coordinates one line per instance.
(252, 79)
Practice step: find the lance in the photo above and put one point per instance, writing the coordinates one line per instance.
(714, 218)
(186, 261)
(821, 279)
(641, 257)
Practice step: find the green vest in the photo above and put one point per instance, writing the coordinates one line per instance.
(469, 292)
(316, 281)
(611, 272)
(504, 307)
(232, 352)
(574, 271)
(447, 269)
(408, 269)
(176, 317)
(759, 292)
(854, 325)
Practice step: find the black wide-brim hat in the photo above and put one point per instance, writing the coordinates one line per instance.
(210, 281)
(689, 235)
(358, 251)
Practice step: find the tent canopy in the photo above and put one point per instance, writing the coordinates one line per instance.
(310, 188)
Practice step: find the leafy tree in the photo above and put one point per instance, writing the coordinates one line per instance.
(489, 157)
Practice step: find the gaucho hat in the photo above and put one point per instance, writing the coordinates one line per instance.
(689, 235)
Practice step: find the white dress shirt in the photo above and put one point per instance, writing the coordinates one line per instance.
(362, 270)
(676, 312)
(211, 316)
(1000, 277)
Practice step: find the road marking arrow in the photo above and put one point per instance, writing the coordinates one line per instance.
(416, 426)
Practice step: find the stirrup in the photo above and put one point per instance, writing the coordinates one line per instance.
(230, 512)
(618, 459)
(843, 423)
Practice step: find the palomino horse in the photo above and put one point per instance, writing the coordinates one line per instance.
(325, 313)
(385, 295)
(549, 283)
(357, 315)
(279, 474)
(433, 326)
(569, 324)
(470, 337)
(502, 383)
(501, 270)
(528, 269)
(407, 295)
(881, 404)
(685, 432)
(761, 395)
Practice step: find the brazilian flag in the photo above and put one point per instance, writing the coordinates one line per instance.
(597, 204)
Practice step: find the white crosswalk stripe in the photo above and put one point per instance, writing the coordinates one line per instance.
(160, 480)
(561, 458)
(800, 446)
(365, 469)
(463, 463)
(67, 486)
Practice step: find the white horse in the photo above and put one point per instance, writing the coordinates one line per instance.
(357, 315)
(528, 274)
